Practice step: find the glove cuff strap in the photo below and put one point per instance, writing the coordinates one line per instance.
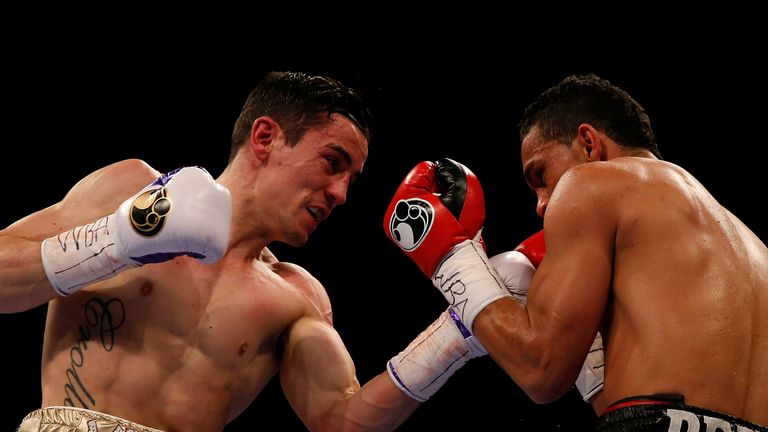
(468, 281)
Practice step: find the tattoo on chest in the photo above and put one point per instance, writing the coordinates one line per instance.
(101, 320)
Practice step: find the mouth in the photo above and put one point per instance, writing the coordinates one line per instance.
(318, 213)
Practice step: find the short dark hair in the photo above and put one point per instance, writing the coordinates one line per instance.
(578, 99)
(298, 101)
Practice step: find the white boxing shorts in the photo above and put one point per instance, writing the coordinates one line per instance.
(60, 418)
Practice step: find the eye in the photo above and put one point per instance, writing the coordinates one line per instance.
(535, 177)
(332, 162)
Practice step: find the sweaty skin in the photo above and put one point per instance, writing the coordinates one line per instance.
(638, 249)
(187, 346)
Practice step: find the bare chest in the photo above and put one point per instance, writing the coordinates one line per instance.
(182, 315)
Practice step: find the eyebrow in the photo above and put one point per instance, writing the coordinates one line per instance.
(527, 168)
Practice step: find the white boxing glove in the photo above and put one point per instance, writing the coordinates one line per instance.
(516, 271)
(439, 351)
(183, 212)
(592, 375)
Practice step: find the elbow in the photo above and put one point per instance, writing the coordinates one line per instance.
(546, 380)
(11, 306)
(546, 392)
(23, 298)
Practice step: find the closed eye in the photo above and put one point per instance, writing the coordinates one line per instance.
(534, 175)
(333, 162)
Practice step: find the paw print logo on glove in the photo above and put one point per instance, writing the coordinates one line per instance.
(410, 222)
(148, 212)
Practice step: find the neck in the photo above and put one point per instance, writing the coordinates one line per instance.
(247, 236)
(638, 152)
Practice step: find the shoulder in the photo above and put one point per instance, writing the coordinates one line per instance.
(589, 187)
(111, 184)
(599, 186)
(95, 195)
(307, 285)
(130, 174)
(592, 198)
(315, 292)
(612, 193)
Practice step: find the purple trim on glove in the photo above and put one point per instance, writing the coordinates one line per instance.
(163, 257)
(456, 320)
(163, 179)
(402, 384)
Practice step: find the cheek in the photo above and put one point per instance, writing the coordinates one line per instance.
(556, 170)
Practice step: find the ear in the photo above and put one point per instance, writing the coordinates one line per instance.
(264, 132)
(591, 143)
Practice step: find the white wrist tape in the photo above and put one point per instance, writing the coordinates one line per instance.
(83, 255)
(592, 375)
(468, 281)
(439, 351)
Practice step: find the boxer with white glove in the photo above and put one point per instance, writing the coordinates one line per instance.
(516, 269)
(184, 212)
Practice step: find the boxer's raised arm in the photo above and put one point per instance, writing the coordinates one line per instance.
(181, 213)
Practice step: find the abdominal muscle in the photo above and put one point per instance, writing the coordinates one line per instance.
(188, 352)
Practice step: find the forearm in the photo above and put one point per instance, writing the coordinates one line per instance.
(319, 380)
(378, 406)
(23, 283)
(522, 345)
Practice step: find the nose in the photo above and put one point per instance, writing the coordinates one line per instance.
(336, 192)
(541, 204)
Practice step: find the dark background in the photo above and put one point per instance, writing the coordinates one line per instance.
(73, 104)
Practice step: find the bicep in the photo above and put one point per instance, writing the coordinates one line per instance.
(570, 289)
(316, 370)
(23, 282)
(94, 196)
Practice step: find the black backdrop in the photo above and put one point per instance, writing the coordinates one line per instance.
(72, 106)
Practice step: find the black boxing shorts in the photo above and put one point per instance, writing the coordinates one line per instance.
(668, 413)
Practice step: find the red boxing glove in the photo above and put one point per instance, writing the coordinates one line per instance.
(533, 248)
(437, 206)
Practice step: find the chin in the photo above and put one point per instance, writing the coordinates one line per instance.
(296, 239)
(296, 243)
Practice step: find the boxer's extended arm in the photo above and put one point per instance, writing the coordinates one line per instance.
(318, 376)
(318, 379)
